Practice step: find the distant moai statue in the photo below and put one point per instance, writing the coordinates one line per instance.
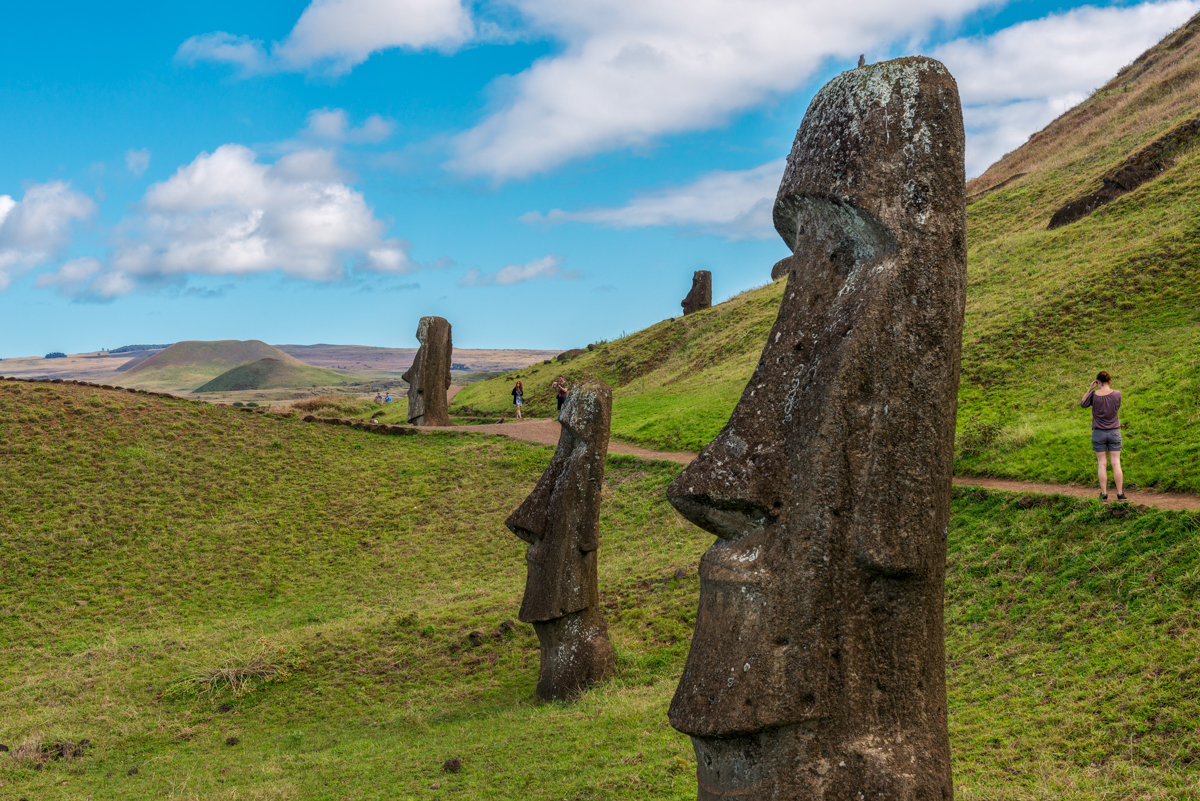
(817, 665)
(862, 61)
(429, 377)
(561, 522)
(781, 268)
(700, 297)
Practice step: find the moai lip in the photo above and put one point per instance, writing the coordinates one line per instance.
(816, 669)
(429, 377)
(561, 522)
(700, 295)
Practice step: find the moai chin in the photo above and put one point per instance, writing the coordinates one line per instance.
(816, 670)
(429, 377)
(700, 296)
(561, 522)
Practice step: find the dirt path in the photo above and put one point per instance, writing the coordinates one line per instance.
(545, 432)
(1178, 501)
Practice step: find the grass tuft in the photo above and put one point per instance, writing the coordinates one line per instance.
(237, 672)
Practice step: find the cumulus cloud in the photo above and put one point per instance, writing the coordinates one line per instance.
(337, 35)
(1012, 82)
(226, 213)
(634, 71)
(137, 161)
(1015, 81)
(545, 267)
(36, 229)
(334, 125)
(734, 204)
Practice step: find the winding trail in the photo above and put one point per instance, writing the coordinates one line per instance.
(545, 431)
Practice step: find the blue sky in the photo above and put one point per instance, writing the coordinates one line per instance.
(543, 173)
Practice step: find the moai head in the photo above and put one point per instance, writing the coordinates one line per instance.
(816, 669)
(700, 295)
(561, 517)
(429, 377)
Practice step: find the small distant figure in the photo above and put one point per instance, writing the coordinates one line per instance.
(387, 398)
(560, 389)
(378, 398)
(1106, 431)
(862, 61)
(518, 393)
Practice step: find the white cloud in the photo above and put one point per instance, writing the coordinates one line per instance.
(71, 275)
(137, 161)
(35, 229)
(1017, 80)
(338, 35)
(545, 267)
(334, 125)
(226, 213)
(1012, 83)
(225, 48)
(631, 72)
(734, 204)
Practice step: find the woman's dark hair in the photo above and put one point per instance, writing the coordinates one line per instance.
(1103, 377)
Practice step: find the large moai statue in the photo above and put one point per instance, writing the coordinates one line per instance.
(429, 377)
(561, 522)
(700, 296)
(816, 670)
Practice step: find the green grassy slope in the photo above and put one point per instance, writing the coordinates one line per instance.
(147, 542)
(1118, 290)
(674, 383)
(271, 373)
(186, 365)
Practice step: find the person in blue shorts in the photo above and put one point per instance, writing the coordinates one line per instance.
(1106, 431)
(560, 389)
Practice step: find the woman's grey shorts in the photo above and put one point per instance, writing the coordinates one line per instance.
(1106, 439)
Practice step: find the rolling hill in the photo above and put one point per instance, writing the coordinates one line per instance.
(271, 373)
(186, 365)
(206, 603)
(1117, 288)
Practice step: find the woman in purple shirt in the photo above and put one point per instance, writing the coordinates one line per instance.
(1106, 431)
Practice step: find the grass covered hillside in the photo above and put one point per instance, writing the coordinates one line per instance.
(674, 383)
(1118, 290)
(271, 373)
(202, 603)
(186, 365)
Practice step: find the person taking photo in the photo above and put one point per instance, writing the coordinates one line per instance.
(1106, 431)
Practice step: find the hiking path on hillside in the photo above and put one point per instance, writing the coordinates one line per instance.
(545, 431)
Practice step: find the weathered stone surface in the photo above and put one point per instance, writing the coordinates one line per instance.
(576, 653)
(429, 377)
(561, 522)
(817, 666)
(781, 268)
(700, 296)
